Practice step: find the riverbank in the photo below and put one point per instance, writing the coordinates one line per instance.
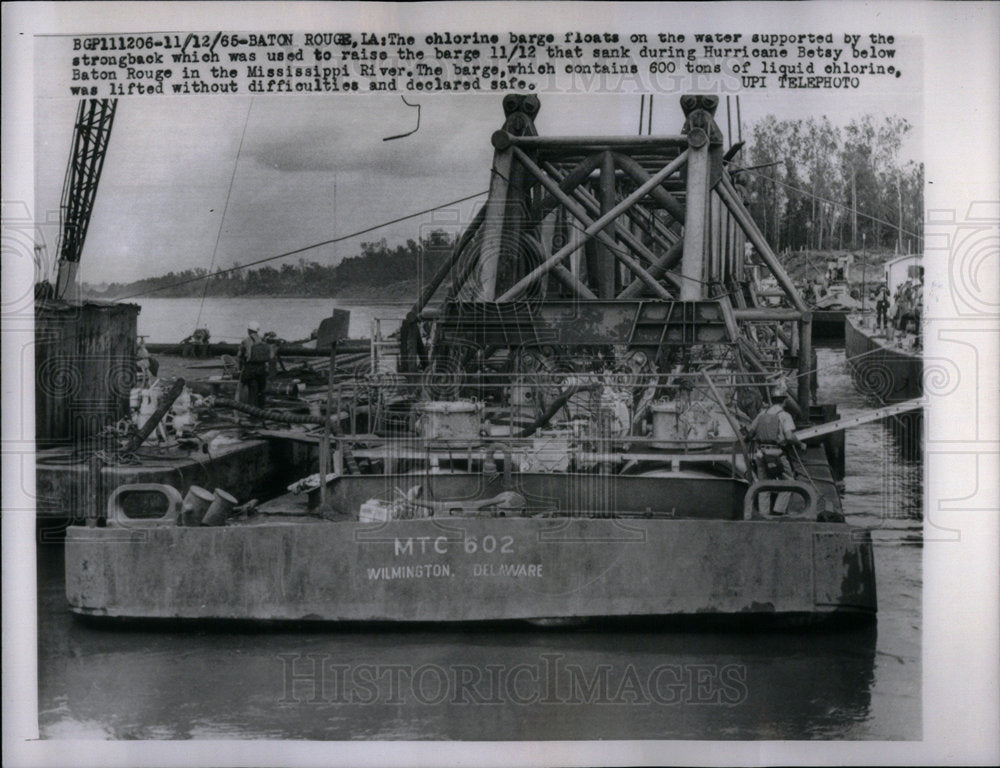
(399, 290)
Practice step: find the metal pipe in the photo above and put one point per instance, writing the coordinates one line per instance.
(448, 264)
(572, 180)
(593, 229)
(555, 407)
(696, 204)
(734, 425)
(627, 237)
(750, 355)
(660, 267)
(606, 255)
(631, 167)
(805, 361)
(749, 226)
(664, 233)
(592, 206)
(570, 280)
(778, 314)
(493, 226)
(594, 142)
(147, 429)
(563, 275)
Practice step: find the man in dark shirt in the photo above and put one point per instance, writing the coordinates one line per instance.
(252, 359)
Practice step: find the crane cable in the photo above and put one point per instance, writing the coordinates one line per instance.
(820, 198)
(225, 208)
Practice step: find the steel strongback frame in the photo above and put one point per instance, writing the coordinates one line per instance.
(655, 232)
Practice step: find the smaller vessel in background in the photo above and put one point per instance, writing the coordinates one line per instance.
(886, 354)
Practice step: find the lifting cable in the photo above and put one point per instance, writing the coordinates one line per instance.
(218, 237)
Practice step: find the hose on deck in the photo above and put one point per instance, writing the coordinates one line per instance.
(263, 413)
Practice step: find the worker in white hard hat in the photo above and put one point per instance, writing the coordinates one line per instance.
(252, 359)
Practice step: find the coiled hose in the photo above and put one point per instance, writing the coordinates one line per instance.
(263, 413)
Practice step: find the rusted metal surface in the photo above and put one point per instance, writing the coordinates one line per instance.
(246, 469)
(84, 368)
(469, 570)
(635, 323)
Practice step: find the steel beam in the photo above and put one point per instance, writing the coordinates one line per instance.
(593, 229)
(659, 194)
(644, 323)
(660, 267)
(595, 143)
(633, 242)
(749, 226)
(606, 255)
(572, 180)
(695, 223)
(777, 314)
(493, 225)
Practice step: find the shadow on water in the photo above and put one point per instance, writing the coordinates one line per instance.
(470, 682)
(504, 682)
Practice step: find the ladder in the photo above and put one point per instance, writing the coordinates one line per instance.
(860, 418)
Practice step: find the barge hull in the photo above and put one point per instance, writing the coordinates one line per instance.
(470, 570)
(890, 375)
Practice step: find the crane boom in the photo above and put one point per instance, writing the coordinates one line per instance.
(91, 133)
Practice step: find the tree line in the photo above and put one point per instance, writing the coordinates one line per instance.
(820, 186)
(378, 264)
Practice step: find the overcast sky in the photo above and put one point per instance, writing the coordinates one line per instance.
(314, 168)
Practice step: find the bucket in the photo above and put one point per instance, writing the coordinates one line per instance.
(196, 503)
(220, 508)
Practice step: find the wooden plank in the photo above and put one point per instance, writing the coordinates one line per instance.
(859, 419)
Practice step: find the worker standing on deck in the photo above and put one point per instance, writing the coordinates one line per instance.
(773, 435)
(252, 359)
(890, 328)
(882, 308)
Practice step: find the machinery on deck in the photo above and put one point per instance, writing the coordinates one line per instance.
(560, 433)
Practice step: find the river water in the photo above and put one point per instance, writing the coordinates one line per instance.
(502, 683)
(171, 320)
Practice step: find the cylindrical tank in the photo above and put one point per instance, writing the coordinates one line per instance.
(449, 419)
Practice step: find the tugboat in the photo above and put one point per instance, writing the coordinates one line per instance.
(557, 435)
(886, 357)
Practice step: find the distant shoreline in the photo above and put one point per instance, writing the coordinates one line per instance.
(403, 289)
(802, 266)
